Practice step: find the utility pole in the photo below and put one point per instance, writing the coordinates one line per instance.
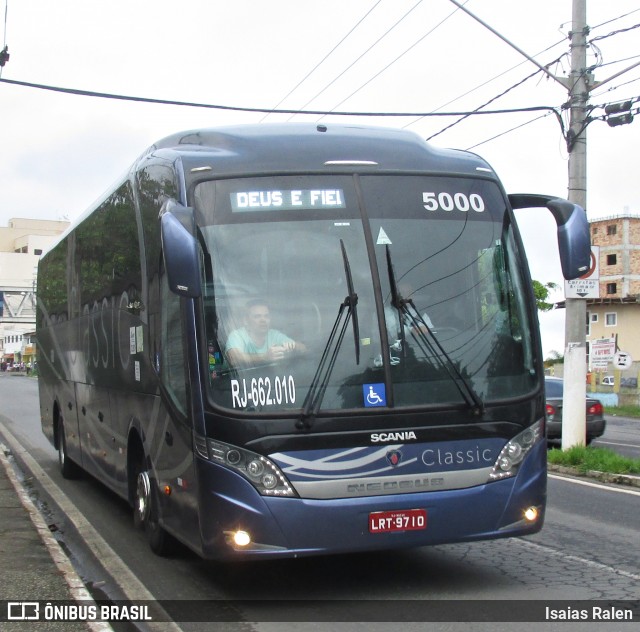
(575, 357)
(579, 84)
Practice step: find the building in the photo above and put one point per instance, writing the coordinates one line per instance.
(22, 243)
(616, 314)
(19, 349)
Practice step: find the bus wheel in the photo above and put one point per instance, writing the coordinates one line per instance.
(68, 468)
(142, 499)
(146, 514)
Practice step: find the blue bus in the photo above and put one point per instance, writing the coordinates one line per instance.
(290, 340)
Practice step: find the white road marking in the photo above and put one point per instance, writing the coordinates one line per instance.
(576, 558)
(625, 445)
(609, 488)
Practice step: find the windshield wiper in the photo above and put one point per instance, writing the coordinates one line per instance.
(396, 300)
(320, 381)
(419, 330)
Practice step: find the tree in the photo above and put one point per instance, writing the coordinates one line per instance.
(555, 357)
(541, 293)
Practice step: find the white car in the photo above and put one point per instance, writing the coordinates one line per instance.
(608, 380)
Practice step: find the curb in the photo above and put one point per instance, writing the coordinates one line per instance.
(604, 477)
(76, 586)
(126, 581)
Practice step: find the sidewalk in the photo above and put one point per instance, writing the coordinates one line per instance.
(33, 567)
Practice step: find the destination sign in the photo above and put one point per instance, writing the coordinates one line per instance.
(287, 200)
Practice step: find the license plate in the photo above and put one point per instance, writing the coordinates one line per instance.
(404, 520)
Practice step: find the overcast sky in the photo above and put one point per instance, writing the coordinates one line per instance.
(60, 151)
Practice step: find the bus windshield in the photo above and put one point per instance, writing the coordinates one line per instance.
(441, 310)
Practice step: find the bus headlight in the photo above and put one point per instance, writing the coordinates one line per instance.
(255, 468)
(260, 471)
(515, 451)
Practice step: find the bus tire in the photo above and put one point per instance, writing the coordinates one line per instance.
(68, 468)
(145, 512)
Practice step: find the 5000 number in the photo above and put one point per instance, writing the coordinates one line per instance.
(262, 391)
(457, 201)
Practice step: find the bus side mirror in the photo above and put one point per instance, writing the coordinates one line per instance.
(574, 240)
(180, 251)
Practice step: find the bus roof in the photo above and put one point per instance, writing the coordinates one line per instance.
(299, 147)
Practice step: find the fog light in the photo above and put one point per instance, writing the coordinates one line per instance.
(531, 514)
(241, 538)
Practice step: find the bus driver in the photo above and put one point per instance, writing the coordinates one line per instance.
(256, 342)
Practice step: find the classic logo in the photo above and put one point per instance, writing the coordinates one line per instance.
(394, 457)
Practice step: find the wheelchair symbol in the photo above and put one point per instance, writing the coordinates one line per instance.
(374, 395)
(373, 399)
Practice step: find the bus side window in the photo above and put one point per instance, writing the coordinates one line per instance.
(172, 349)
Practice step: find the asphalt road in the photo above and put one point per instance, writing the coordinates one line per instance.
(622, 435)
(588, 549)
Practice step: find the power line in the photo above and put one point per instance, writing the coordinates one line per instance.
(620, 17)
(488, 81)
(541, 68)
(601, 37)
(513, 129)
(612, 103)
(415, 6)
(399, 56)
(498, 96)
(619, 112)
(619, 61)
(616, 113)
(613, 88)
(324, 58)
(121, 97)
(505, 40)
(598, 64)
(631, 100)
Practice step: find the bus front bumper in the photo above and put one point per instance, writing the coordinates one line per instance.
(237, 522)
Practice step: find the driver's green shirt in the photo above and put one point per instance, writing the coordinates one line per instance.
(240, 339)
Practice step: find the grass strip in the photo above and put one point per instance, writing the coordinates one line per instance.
(623, 411)
(598, 459)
